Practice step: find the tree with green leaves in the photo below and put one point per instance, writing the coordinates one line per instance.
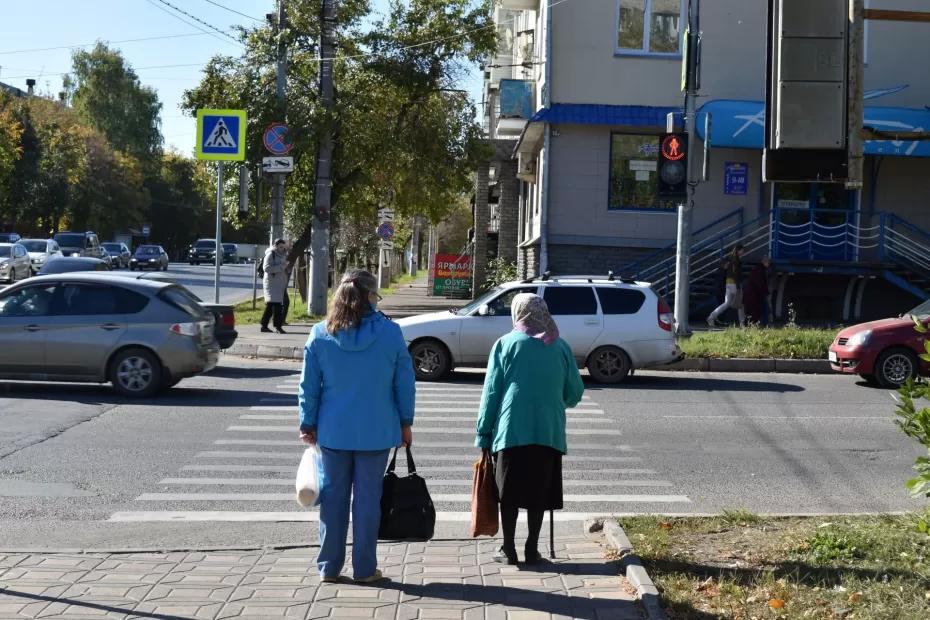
(107, 94)
(401, 125)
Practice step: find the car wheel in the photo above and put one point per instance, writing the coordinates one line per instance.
(608, 365)
(895, 366)
(135, 373)
(431, 360)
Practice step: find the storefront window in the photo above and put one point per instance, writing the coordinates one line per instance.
(634, 180)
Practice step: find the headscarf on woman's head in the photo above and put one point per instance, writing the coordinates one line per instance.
(531, 316)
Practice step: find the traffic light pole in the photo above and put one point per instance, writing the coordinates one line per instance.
(686, 209)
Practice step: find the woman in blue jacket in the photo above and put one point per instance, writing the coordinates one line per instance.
(356, 401)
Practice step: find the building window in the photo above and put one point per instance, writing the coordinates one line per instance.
(649, 26)
(634, 181)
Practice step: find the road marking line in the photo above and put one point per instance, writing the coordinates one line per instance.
(296, 517)
(750, 418)
(437, 497)
(270, 468)
(422, 444)
(440, 483)
(419, 409)
(292, 417)
(423, 431)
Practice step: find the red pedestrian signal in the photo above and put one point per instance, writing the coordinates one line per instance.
(673, 165)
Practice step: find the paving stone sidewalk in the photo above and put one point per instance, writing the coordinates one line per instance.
(439, 579)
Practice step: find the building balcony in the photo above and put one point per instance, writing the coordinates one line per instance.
(515, 107)
(520, 5)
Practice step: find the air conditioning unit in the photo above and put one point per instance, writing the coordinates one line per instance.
(526, 167)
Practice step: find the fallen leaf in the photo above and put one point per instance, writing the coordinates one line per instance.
(706, 584)
(855, 597)
(776, 603)
(665, 525)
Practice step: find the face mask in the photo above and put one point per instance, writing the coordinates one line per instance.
(373, 305)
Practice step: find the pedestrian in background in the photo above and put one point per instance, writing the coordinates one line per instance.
(531, 379)
(274, 283)
(733, 298)
(756, 293)
(356, 400)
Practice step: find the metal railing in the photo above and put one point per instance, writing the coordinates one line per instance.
(905, 244)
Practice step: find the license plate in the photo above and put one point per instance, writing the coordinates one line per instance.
(833, 357)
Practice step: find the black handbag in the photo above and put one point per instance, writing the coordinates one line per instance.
(407, 511)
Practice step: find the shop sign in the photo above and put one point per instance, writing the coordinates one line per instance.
(452, 275)
(735, 178)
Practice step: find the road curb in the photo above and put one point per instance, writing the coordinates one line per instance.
(635, 573)
(750, 365)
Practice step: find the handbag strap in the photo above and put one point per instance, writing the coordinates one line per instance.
(411, 466)
(393, 462)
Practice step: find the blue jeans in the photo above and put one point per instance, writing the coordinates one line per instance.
(357, 476)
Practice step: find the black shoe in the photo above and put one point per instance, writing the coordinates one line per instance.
(266, 330)
(279, 330)
(505, 556)
(532, 557)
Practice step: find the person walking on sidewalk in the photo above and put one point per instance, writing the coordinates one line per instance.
(356, 400)
(734, 296)
(532, 378)
(274, 283)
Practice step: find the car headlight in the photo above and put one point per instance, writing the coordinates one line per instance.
(860, 339)
(75, 254)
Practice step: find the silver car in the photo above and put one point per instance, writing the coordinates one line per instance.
(140, 335)
(613, 326)
(14, 262)
(40, 251)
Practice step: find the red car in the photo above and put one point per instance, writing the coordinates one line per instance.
(883, 352)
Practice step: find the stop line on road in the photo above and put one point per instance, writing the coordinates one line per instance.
(595, 478)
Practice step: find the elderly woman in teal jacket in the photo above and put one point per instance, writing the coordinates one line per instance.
(532, 378)
(356, 400)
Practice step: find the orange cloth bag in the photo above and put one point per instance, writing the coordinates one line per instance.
(484, 520)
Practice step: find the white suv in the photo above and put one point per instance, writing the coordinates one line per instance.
(612, 325)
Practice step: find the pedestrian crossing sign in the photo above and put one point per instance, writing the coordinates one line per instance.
(221, 135)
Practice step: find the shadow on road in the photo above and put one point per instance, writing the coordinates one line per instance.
(684, 382)
(233, 372)
(94, 394)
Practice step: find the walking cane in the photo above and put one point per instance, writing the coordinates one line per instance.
(551, 536)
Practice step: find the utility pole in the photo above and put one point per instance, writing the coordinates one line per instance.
(323, 191)
(219, 231)
(277, 194)
(686, 209)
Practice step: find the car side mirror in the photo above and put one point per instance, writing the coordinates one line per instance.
(485, 310)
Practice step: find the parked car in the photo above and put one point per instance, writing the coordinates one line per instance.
(119, 251)
(149, 257)
(40, 251)
(139, 335)
(14, 262)
(79, 244)
(69, 264)
(224, 315)
(885, 352)
(230, 253)
(204, 251)
(9, 237)
(612, 326)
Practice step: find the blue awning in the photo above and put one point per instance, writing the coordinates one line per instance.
(741, 125)
(593, 114)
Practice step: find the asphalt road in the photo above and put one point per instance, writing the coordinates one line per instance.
(210, 464)
(235, 281)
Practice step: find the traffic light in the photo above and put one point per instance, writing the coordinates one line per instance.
(673, 165)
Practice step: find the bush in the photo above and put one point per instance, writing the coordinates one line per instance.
(500, 271)
(915, 423)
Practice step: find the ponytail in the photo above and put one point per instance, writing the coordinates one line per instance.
(350, 301)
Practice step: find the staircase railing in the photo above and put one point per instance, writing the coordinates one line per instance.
(645, 266)
(905, 244)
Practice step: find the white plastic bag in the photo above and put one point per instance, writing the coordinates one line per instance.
(308, 477)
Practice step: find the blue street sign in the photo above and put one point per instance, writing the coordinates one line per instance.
(735, 178)
(221, 135)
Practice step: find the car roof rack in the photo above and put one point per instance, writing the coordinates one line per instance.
(610, 277)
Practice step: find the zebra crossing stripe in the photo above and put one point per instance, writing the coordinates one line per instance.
(233, 516)
(434, 482)
(423, 431)
(295, 443)
(289, 418)
(437, 497)
(419, 409)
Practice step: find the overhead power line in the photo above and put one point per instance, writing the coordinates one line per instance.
(79, 45)
(193, 17)
(226, 8)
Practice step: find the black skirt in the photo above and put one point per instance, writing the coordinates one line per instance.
(529, 477)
